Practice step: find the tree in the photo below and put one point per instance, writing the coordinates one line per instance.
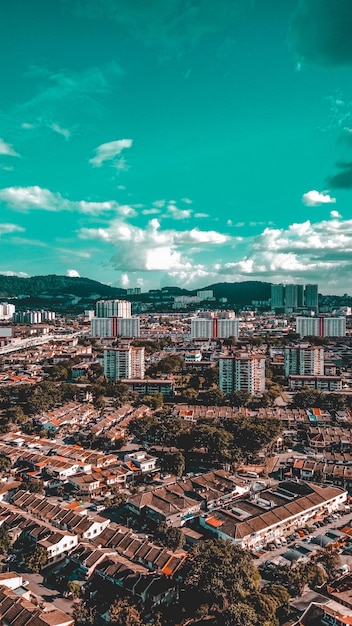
(170, 536)
(174, 462)
(5, 539)
(74, 588)
(37, 559)
(32, 485)
(240, 398)
(154, 400)
(122, 613)
(331, 561)
(82, 614)
(239, 614)
(142, 427)
(220, 573)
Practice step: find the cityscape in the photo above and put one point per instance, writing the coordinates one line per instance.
(176, 313)
(144, 452)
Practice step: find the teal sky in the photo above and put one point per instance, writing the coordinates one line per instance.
(180, 142)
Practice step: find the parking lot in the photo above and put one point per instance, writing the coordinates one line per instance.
(324, 532)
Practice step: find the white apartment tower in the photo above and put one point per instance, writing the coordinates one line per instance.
(124, 363)
(321, 326)
(214, 328)
(242, 372)
(6, 311)
(115, 327)
(113, 308)
(304, 360)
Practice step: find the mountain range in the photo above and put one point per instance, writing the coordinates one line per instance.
(51, 286)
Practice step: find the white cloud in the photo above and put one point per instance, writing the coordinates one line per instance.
(201, 215)
(316, 198)
(73, 274)
(178, 214)
(124, 280)
(151, 211)
(6, 229)
(11, 273)
(6, 149)
(313, 252)
(335, 214)
(27, 126)
(109, 151)
(151, 248)
(35, 197)
(60, 130)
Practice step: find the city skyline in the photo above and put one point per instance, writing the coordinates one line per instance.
(154, 144)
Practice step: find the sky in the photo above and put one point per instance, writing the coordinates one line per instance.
(149, 143)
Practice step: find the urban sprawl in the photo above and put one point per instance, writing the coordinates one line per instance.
(190, 465)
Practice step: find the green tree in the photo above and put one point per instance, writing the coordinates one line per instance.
(36, 559)
(82, 614)
(239, 614)
(331, 561)
(5, 539)
(154, 400)
(123, 613)
(32, 485)
(220, 573)
(174, 462)
(170, 536)
(142, 428)
(74, 588)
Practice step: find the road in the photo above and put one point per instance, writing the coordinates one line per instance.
(50, 596)
(31, 342)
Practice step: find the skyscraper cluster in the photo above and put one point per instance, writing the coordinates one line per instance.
(292, 297)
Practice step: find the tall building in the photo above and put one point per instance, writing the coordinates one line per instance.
(321, 326)
(214, 328)
(277, 296)
(6, 310)
(293, 297)
(124, 363)
(311, 297)
(115, 327)
(242, 372)
(304, 359)
(113, 308)
(205, 294)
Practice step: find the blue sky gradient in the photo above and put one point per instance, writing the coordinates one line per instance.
(149, 143)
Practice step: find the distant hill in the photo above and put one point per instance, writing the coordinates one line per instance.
(241, 293)
(53, 285)
(39, 289)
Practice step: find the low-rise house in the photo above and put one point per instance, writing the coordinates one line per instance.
(16, 611)
(58, 545)
(86, 484)
(141, 460)
(252, 522)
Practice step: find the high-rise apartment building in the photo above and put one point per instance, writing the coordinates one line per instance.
(214, 328)
(124, 363)
(321, 326)
(242, 372)
(113, 308)
(6, 310)
(277, 296)
(304, 359)
(293, 297)
(311, 297)
(115, 327)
